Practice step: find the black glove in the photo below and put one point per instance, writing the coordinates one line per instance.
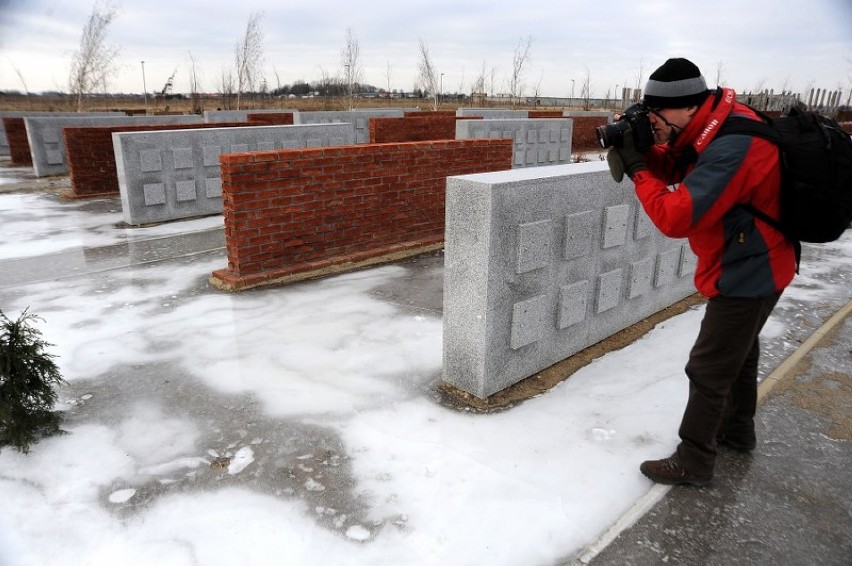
(632, 161)
(616, 167)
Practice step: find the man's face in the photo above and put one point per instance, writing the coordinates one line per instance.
(668, 121)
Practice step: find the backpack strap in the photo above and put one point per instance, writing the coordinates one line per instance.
(746, 126)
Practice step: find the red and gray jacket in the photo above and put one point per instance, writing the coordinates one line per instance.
(738, 255)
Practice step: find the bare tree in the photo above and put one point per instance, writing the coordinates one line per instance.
(249, 55)
(350, 59)
(478, 85)
(197, 108)
(24, 83)
(520, 60)
(640, 76)
(95, 61)
(537, 89)
(428, 74)
(388, 76)
(586, 92)
(226, 89)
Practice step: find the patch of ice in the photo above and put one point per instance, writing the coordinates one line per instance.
(241, 460)
(357, 532)
(121, 496)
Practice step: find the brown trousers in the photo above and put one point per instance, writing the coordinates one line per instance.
(722, 372)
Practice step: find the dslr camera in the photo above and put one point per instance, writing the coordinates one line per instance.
(635, 119)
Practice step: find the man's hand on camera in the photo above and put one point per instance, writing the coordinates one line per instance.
(631, 159)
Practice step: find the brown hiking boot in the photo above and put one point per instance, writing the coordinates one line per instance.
(670, 472)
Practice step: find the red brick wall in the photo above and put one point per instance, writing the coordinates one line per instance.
(19, 145)
(583, 136)
(423, 127)
(299, 213)
(91, 157)
(416, 126)
(270, 118)
(546, 114)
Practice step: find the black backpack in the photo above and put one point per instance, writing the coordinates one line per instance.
(816, 174)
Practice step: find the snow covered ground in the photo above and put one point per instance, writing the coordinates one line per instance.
(299, 425)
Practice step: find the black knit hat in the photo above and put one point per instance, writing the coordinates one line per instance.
(677, 84)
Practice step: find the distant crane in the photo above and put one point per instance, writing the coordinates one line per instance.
(167, 88)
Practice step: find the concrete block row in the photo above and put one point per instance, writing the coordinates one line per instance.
(537, 142)
(175, 174)
(360, 119)
(4, 141)
(543, 262)
(47, 144)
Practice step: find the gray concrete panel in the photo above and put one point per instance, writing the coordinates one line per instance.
(4, 141)
(222, 116)
(537, 142)
(174, 174)
(47, 145)
(589, 114)
(360, 119)
(493, 114)
(542, 263)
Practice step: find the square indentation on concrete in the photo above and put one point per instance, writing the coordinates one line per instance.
(519, 158)
(565, 134)
(609, 290)
(155, 193)
(641, 277)
(531, 137)
(291, 144)
(573, 300)
(534, 245)
(531, 155)
(185, 190)
(615, 225)
(211, 155)
(578, 234)
(265, 146)
(150, 160)
(667, 265)
(183, 158)
(55, 157)
(239, 148)
(528, 321)
(643, 226)
(213, 187)
(313, 142)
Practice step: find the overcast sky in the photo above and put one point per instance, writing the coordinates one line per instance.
(775, 44)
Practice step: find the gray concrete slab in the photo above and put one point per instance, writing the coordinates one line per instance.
(544, 262)
(360, 119)
(174, 174)
(47, 144)
(537, 142)
(4, 141)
